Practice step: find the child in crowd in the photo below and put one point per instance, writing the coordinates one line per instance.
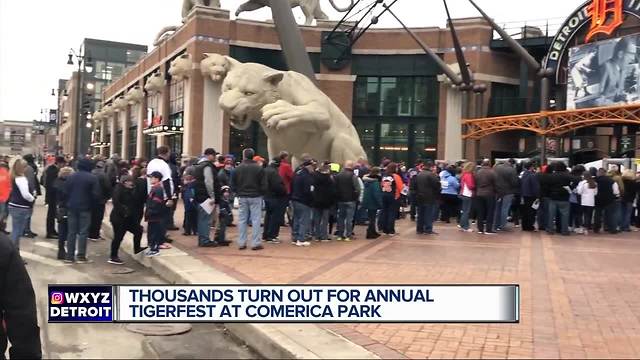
(224, 215)
(190, 206)
(156, 215)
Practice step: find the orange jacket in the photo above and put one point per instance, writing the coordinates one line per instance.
(5, 185)
(399, 185)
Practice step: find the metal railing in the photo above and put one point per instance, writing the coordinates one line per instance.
(531, 29)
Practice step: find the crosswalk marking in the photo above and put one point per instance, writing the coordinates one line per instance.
(41, 259)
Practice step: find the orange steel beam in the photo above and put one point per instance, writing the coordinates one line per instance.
(558, 122)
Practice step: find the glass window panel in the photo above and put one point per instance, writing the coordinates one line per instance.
(150, 146)
(389, 93)
(367, 96)
(394, 142)
(425, 140)
(367, 134)
(133, 137)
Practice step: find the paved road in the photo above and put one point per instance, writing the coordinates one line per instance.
(81, 341)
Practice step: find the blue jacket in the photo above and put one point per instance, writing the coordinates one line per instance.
(82, 189)
(450, 183)
(530, 184)
(301, 187)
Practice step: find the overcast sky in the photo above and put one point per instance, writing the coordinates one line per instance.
(36, 35)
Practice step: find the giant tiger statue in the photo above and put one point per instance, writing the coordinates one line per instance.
(294, 114)
(310, 8)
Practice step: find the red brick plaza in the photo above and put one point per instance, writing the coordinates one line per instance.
(580, 295)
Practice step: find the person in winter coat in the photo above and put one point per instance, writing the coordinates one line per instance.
(450, 189)
(507, 183)
(467, 191)
(190, 205)
(485, 198)
(608, 193)
(427, 188)
(140, 180)
(530, 192)
(18, 311)
(20, 201)
(82, 191)
(31, 173)
(372, 200)
(628, 198)
(123, 218)
(50, 177)
(156, 213)
(5, 192)
(61, 210)
(302, 200)
(347, 195)
(276, 200)
(249, 184)
(324, 195)
(587, 189)
(558, 188)
(392, 186)
(97, 211)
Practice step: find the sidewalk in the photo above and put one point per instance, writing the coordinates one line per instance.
(579, 294)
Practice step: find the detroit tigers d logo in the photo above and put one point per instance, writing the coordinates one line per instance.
(606, 17)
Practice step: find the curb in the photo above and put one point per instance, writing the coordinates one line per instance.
(272, 341)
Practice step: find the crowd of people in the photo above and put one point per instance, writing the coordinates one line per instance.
(319, 200)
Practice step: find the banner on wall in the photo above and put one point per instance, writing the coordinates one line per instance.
(604, 73)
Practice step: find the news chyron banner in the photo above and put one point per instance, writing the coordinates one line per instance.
(286, 304)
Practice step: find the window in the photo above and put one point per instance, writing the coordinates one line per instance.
(176, 96)
(119, 142)
(396, 96)
(175, 144)
(133, 137)
(153, 107)
(150, 145)
(134, 55)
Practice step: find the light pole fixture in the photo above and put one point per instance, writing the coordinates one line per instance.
(85, 64)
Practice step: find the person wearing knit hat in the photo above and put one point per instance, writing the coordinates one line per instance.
(123, 218)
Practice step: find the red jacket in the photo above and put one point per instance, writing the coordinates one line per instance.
(5, 185)
(286, 173)
(467, 180)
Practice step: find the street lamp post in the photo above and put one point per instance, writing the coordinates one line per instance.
(84, 64)
(61, 93)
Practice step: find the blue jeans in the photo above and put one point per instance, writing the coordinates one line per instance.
(562, 207)
(19, 219)
(155, 235)
(301, 220)
(321, 224)
(427, 213)
(502, 211)
(250, 210)
(627, 210)
(387, 220)
(78, 230)
(204, 227)
(346, 211)
(466, 211)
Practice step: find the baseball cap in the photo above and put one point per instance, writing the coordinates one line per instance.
(258, 158)
(156, 174)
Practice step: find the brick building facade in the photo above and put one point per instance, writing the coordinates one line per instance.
(398, 99)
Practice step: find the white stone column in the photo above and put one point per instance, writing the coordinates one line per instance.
(142, 115)
(103, 134)
(187, 136)
(114, 136)
(453, 129)
(213, 117)
(124, 153)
